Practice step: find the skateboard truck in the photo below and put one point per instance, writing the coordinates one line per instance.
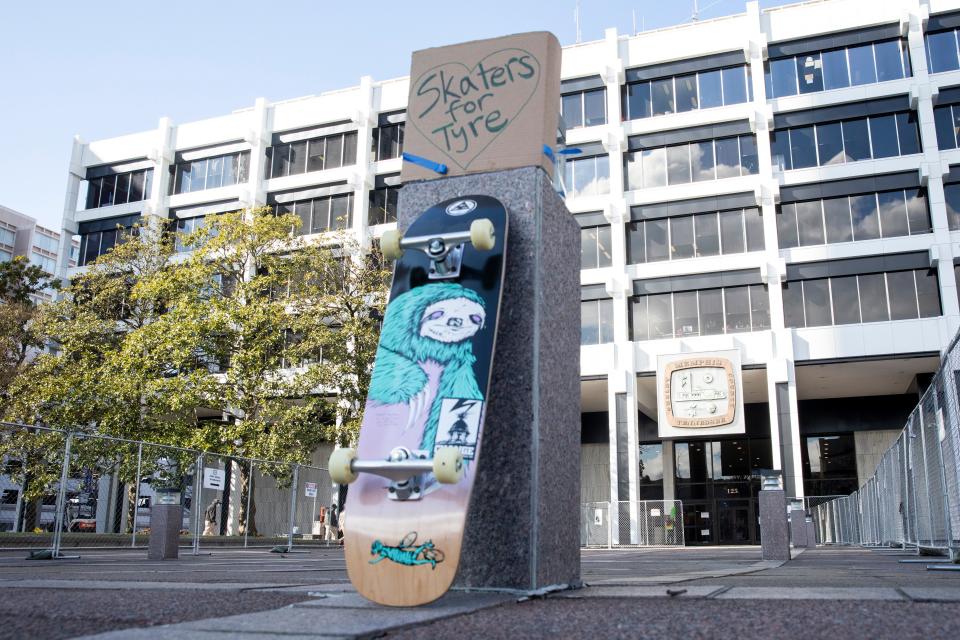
(444, 250)
(403, 468)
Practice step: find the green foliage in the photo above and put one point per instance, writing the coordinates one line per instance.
(256, 343)
(19, 338)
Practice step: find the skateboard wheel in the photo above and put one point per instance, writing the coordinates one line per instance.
(390, 244)
(482, 234)
(448, 465)
(341, 465)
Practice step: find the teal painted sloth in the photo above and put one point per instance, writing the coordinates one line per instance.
(432, 322)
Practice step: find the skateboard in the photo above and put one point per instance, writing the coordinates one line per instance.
(413, 469)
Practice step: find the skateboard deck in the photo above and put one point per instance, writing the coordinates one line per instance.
(428, 391)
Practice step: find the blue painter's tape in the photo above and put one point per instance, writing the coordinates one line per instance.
(437, 167)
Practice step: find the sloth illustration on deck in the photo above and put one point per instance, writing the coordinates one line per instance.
(425, 354)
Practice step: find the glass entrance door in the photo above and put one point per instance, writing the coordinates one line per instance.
(735, 522)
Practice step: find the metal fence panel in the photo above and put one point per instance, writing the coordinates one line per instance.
(642, 523)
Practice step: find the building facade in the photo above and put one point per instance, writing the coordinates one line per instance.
(784, 183)
(20, 235)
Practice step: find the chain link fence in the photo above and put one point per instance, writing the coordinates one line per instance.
(913, 497)
(61, 489)
(642, 523)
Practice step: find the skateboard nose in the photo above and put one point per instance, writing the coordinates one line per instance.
(455, 322)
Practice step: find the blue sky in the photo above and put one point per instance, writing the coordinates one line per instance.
(102, 69)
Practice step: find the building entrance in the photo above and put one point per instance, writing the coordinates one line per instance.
(736, 522)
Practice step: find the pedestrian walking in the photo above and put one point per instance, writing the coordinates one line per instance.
(332, 525)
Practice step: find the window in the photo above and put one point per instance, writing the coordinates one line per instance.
(695, 161)
(875, 297)
(387, 142)
(885, 214)
(700, 313)
(210, 173)
(383, 205)
(46, 263)
(830, 465)
(595, 247)
(952, 196)
(688, 92)
(828, 143)
(584, 108)
(318, 215)
(47, 243)
(315, 154)
(836, 68)
(132, 186)
(8, 236)
(942, 51)
(596, 322)
(947, 121)
(185, 226)
(587, 176)
(97, 237)
(699, 235)
(650, 476)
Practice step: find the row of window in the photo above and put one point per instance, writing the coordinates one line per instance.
(846, 141)
(691, 162)
(8, 237)
(184, 226)
(886, 214)
(46, 243)
(874, 297)
(120, 188)
(315, 154)
(700, 313)
(46, 263)
(317, 215)
(689, 92)
(838, 68)
(210, 173)
(95, 244)
(584, 108)
(703, 234)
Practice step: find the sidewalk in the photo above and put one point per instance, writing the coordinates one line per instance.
(709, 592)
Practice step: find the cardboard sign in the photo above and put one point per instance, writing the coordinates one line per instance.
(310, 489)
(483, 106)
(213, 478)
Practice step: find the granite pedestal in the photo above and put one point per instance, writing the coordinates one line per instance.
(522, 527)
(774, 534)
(165, 522)
(798, 528)
(811, 533)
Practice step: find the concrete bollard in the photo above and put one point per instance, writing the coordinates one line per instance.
(165, 523)
(798, 527)
(775, 536)
(811, 532)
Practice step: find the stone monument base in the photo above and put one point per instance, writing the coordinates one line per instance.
(165, 523)
(522, 527)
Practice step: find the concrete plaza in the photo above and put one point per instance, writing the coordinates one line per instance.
(713, 592)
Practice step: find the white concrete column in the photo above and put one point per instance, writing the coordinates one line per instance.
(75, 175)
(162, 155)
(922, 94)
(259, 139)
(363, 179)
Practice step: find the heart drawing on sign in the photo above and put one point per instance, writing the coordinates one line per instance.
(461, 110)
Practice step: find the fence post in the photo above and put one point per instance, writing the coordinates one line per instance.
(246, 524)
(293, 505)
(947, 526)
(136, 499)
(926, 473)
(62, 495)
(197, 491)
(610, 524)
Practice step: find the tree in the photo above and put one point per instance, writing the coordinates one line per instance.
(106, 376)
(288, 327)
(20, 281)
